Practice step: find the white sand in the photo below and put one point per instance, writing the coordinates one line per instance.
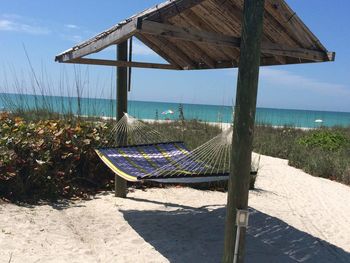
(295, 218)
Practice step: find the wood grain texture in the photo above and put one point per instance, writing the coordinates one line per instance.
(128, 64)
(244, 118)
(122, 107)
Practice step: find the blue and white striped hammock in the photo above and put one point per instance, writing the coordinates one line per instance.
(157, 162)
(153, 157)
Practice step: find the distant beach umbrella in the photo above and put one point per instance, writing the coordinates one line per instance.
(167, 112)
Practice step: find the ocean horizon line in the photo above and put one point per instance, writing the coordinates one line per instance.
(169, 102)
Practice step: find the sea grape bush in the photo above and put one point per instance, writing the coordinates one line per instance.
(49, 159)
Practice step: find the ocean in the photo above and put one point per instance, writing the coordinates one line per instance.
(154, 110)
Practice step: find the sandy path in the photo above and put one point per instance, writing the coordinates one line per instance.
(295, 218)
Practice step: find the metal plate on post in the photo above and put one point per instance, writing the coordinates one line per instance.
(242, 218)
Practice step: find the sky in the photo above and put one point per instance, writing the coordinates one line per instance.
(33, 32)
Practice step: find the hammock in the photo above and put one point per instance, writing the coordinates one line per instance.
(143, 162)
(165, 162)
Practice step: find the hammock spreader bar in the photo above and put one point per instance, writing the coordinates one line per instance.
(142, 162)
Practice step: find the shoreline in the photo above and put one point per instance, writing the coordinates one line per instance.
(222, 125)
(225, 125)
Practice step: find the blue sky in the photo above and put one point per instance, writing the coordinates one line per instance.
(47, 28)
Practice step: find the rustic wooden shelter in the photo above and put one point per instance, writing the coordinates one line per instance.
(212, 34)
(206, 34)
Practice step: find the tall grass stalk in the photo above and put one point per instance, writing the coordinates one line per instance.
(35, 95)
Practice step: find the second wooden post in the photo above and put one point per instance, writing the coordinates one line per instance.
(122, 106)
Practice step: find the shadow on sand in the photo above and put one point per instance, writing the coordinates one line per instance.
(188, 234)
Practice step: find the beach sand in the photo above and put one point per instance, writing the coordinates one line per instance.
(294, 218)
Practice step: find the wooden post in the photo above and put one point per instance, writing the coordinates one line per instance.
(246, 96)
(122, 106)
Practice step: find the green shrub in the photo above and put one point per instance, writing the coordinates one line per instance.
(49, 159)
(325, 139)
(323, 152)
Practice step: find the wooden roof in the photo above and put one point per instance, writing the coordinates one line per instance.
(205, 34)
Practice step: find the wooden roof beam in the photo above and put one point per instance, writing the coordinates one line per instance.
(116, 63)
(113, 36)
(150, 44)
(294, 52)
(174, 52)
(189, 34)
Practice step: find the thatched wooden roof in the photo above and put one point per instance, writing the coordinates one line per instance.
(202, 34)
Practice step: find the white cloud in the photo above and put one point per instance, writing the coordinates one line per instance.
(5, 25)
(295, 81)
(11, 16)
(15, 26)
(72, 26)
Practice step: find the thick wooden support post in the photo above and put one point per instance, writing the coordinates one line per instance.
(246, 96)
(122, 106)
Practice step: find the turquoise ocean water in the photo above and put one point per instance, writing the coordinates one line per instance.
(153, 110)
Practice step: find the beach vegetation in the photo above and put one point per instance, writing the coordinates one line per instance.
(55, 158)
(323, 152)
(50, 158)
(325, 139)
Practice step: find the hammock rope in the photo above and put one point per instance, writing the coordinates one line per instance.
(149, 155)
(211, 158)
(130, 131)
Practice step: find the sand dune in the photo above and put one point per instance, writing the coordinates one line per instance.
(295, 218)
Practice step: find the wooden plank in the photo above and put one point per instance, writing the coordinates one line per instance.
(278, 19)
(293, 24)
(197, 53)
(129, 64)
(161, 46)
(264, 61)
(202, 54)
(210, 64)
(219, 23)
(122, 107)
(231, 11)
(144, 39)
(280, 59)
(244, 118)
(190, 20)
(174, 52)
(294, 52)
(213, 14)
(171, 9)
(189, 34)
(273, 29)
(114, 36)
